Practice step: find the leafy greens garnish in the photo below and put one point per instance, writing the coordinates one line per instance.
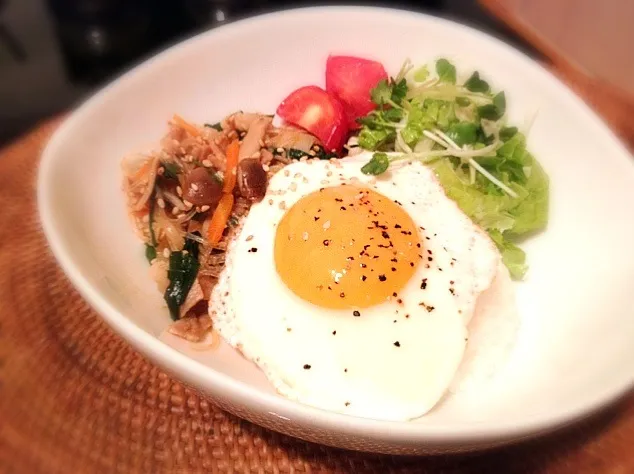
(377, 165)
(150, 248)
(215, 126)
(183, 269)
(446, 71)
(475, 84)
(460, 131)
(171, 170)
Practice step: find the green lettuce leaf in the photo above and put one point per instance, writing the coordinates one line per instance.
(513, 257)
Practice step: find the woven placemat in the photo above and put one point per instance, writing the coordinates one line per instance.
(76, 398)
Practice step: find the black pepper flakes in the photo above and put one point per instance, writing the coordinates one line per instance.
(429, 259)
(423, 284)
(364, 278)
(342, 295)
(411, 264)
(395, 294)
(397, 226)
(397, 344)
(253, 250)
(385, 235)
(393, 269)
(306, 366)
(326, 242)
(382, 277)
(334, 333)
(316, 218)
(343, 208)
(356, 313)
(452, 291)
(347, 404)
(418, 245)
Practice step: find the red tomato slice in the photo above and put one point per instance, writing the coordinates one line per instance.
(318, 112)
(351, 79)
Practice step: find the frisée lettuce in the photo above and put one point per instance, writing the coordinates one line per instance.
(460, 131)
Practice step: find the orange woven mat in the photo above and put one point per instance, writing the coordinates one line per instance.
(76, 398)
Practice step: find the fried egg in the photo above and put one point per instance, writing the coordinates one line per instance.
(352, 292)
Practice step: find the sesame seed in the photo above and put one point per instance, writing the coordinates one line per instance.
(287, 173)
(179, 190)
(305, 179)
(146, 218)
(270, 202)
(266, 167)
(166, 253)
(293, 187)
(257, 154)
(207, 164)
(188, 204)
(249, 237)
(195, 187)
(280, 150)
(204, 208)
(282, 205)
(326, 225)
(261, 143)
(324, 181)
(175, 210)
(161, 203)
(303, 159)
(305, 235)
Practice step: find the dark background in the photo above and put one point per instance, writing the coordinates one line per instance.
(53, 53)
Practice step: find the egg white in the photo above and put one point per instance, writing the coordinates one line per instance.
(397, 359)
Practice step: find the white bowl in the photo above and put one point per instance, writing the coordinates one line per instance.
(574, 352)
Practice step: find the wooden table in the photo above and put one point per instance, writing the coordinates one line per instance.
(590, 44)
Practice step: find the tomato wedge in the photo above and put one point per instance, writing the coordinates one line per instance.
(351, 79)
(318, 112)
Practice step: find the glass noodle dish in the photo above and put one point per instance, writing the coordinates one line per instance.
(193, 199)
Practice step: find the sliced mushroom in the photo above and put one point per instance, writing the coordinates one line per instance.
(251, 142)
(244, 121)
(292, 138)
(194, 296)
(202, 187)
(252, 179)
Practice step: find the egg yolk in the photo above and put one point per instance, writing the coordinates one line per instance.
(346, 247)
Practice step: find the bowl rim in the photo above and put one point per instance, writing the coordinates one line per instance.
(219, 384)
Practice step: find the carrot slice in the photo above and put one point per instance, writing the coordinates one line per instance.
(184, 124)
(143, 169)
(219, 219)
(233, 150)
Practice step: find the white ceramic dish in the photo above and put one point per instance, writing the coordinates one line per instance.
(575, 348)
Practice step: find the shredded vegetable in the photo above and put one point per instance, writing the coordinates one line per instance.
(460, 130)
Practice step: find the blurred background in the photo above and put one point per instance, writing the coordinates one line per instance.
(53, 53)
